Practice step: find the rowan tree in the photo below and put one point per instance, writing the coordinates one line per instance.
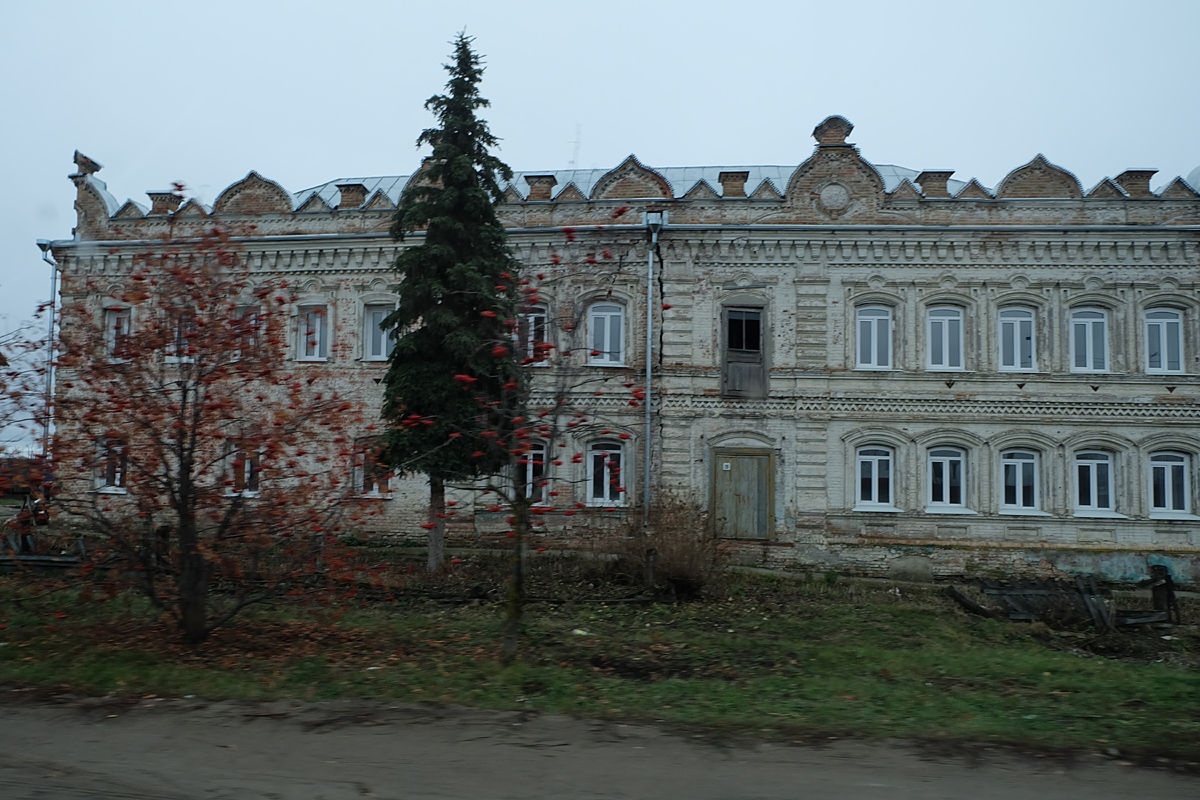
(203, 463)
(457, 290)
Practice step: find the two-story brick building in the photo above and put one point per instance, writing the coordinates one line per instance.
(855, 366)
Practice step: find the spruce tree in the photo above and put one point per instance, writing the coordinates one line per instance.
(457, 302)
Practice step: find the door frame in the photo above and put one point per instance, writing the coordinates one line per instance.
(719, 452)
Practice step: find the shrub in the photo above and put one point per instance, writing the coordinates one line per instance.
(676, 555)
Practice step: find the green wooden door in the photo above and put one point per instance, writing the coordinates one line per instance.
(743, 493)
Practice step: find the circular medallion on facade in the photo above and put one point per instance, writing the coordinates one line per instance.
(835, 198)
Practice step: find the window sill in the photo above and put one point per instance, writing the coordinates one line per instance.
(939, 370)
(861, 368)
(111, 490)
(1168, 373)
(373, 360)
(1178, 515)
(878, 509)
(375, 496)
(311, 360)
(605, 506)
(1024, 512)
(250, 494)
(1013, 371)
(620, 365)
(950, 510)
(178, 360)
(1097, 513)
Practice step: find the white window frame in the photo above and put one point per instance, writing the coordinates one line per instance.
(1166, 326)
(946, 325)
(870, 462)
(312, 341)
(876, 322)
(943, 457)
(1084, 321)
(536, 471)
(1013, 322)
(247, 330)
(533, 326)
(365, 466)
(1024, 465)
(250, 468)
(112, 468)
(181, 321)
(600, 320)
(606, 449)
(378, 343)
(1175, 469)
(1094, 471)
(118, 327)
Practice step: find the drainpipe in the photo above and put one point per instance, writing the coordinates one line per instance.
(655, 220)
(44, 246)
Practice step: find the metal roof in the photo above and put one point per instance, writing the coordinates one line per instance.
(682, 180)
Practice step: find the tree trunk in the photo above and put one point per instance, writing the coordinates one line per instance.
(437, 516)
(193, 585)
(515, 599)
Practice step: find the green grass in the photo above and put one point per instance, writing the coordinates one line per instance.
(796, 659)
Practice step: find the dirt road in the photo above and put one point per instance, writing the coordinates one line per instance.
(190, 749)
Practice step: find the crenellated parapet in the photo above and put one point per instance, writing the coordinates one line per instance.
(835, 185)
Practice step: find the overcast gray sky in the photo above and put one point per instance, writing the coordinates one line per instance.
(305, 92)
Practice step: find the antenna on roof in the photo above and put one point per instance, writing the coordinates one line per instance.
(578, 137)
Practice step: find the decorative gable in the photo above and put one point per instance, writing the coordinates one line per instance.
(701, 191)
(380, 202)
(974, 190)
(1106, 189)
(1039, 179)
(315, 204)
(905, 191)
(511, 195)
(130, 210)
(629, 181)
(766, 191)
(192, 208)
(1178, 190)
(253, 194)
(570, 194)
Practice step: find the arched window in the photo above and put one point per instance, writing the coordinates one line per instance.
(604, 482)
(1017, 342)
(606, 334)
(1089, 340)
(944, 333)
(875, 486)
(1093, 481)
(947, 478)
(1019, 480)
(1170, 483)
(1164, 341)
(874, 343)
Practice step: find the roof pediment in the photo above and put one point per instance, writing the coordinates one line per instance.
(253, 194)
(1039, 179)
(631, 180)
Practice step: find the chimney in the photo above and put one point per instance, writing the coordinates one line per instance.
(163, 203)
(353, 195)
(540, 186)
(933, 182)
(1136, 182)
(733, 184)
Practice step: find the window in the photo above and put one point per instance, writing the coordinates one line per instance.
(182, 324)
(313, 330)
(246, 331)
(1164, 341)
(377, 340)
(744, 368)
(1169, 484)
(533, 344)
(606, 334)
(1019, 474)
(372, 477)
(113, 466)
(947, 468)
(1089, 340)
(535, 472)
(945, 331)
(118, 324)
(1093, 481)
(605, 460)
(243, 468)
(874, 477)
(874, 338)
(1017, 340)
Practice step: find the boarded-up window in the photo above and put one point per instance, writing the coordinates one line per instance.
(744, 371)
